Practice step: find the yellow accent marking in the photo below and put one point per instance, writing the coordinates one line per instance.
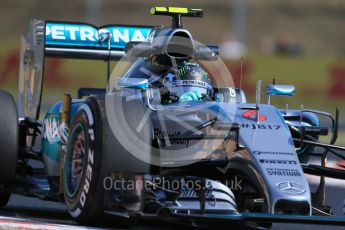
(197, 9)
(152, 10)
(179, 10)
(161, 9)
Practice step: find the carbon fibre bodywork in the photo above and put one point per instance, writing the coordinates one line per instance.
(266, 155)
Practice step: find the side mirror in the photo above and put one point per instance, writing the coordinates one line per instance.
(279, 90)
(134, 83)
(137, 83)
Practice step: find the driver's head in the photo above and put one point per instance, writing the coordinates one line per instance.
(186, 82)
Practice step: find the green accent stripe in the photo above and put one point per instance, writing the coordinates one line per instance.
(51, 149)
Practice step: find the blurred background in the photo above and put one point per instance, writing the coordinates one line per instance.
(296, 42)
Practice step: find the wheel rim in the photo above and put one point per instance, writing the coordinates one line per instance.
(75, 160)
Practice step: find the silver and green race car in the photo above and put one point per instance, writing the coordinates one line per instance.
(169, 137)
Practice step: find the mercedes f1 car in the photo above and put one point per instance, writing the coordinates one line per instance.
(167, 138)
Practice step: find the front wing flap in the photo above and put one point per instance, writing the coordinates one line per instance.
(253, 218)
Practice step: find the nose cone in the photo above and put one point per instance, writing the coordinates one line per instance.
(269, 144)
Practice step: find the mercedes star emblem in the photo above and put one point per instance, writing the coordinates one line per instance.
(290, 187)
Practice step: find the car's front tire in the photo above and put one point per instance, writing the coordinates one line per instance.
(94, 148)
(82, 182)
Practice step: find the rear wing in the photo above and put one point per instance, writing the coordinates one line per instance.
(66, 40)
(84, 41)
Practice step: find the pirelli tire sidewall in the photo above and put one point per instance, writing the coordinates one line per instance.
(87, 203)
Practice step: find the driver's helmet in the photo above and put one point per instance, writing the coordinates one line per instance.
(186, 82)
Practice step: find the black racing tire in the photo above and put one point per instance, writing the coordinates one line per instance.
(86, 198)
(128, 119)
(8, 143)
(82, 182)
(303, 155)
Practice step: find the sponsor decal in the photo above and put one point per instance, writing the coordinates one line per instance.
(173, 97)
(272, 153)
(191, 83)
(252, 115)
(51, 129)
(87, 179)
(64, 132)
(193, 194)
(270, 161)
(283, 172)
(90, 162)
(290, 187)
(161, 135)
(232, 98)
(232, 92)
(69, 34)
(260, 126)
(228, 94)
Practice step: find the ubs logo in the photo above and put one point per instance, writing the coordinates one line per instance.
(251, 115)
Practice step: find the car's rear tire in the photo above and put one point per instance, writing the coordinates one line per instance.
(8, 143)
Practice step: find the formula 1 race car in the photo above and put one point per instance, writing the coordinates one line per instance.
(169, 137)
